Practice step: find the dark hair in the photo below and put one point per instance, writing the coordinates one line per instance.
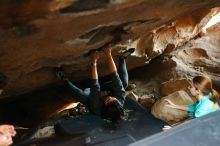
(204, 84)
(2, 81)
(113, 111)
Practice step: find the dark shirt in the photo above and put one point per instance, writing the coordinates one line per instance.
(93, 98)
(96, 99)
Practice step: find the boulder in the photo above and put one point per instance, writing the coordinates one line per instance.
(170, 115)
(171, 86)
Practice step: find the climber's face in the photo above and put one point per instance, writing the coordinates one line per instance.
(194, 91)
(109, 100)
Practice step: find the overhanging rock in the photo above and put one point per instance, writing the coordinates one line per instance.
(37, 36)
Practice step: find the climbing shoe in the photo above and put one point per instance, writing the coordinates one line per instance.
(127, 52)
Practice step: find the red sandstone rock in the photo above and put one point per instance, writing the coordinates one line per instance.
(38, 35)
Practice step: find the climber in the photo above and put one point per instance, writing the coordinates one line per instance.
(108, 106)
(207, 98)
(6, 131)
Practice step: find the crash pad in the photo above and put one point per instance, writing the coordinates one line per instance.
(203, 131)
(140, 124)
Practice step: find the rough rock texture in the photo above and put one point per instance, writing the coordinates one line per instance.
(170, 115)
(38, 35)
(173, 86)
(201, 55)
